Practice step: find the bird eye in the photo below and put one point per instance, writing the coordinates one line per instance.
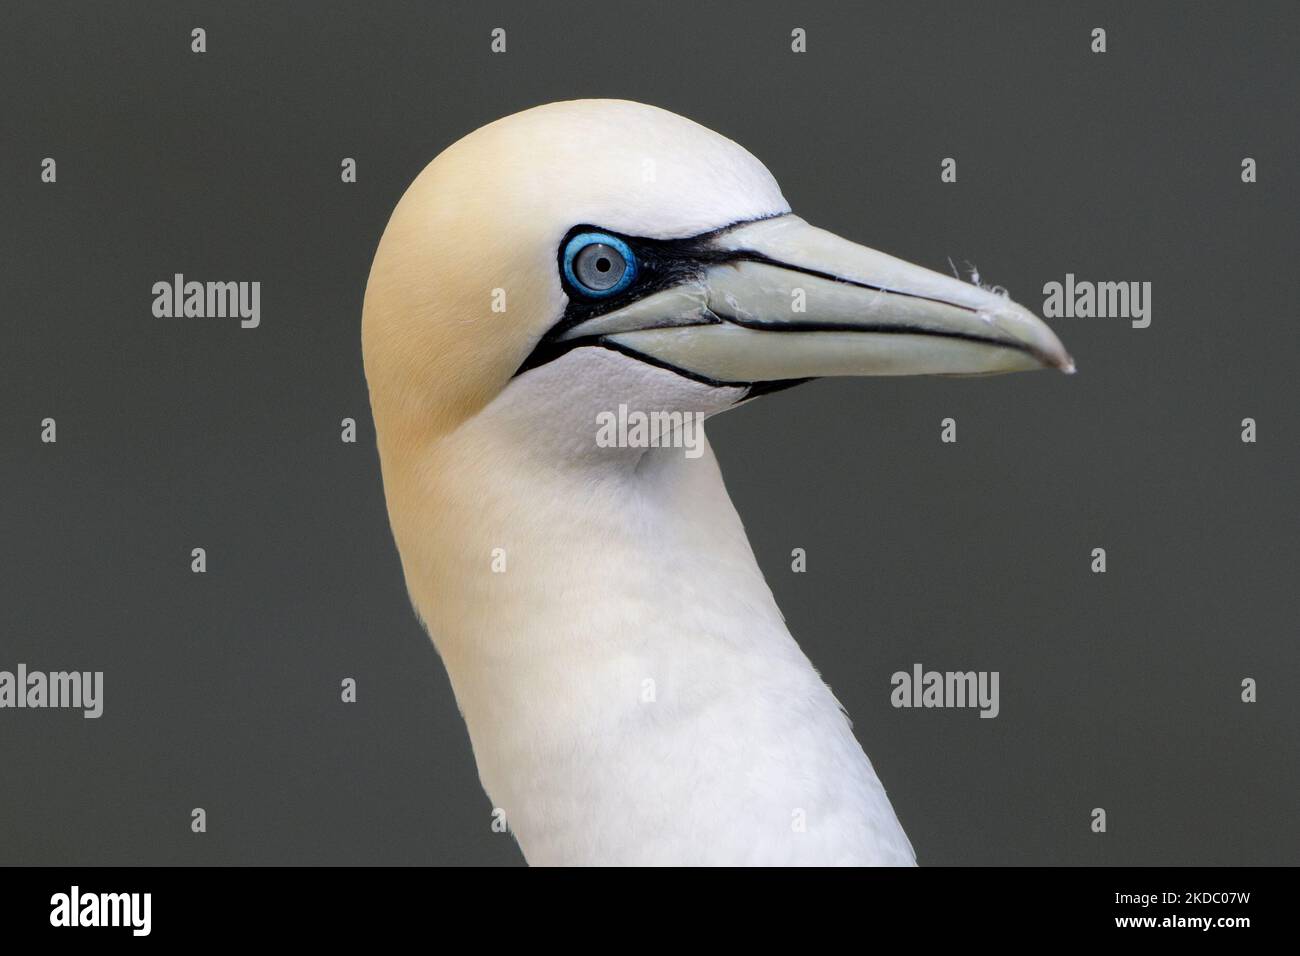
(598, 264)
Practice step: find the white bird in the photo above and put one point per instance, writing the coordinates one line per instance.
(630, 688)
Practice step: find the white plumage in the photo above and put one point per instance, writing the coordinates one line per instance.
(630, 688)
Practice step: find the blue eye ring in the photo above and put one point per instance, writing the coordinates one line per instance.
(580, 242)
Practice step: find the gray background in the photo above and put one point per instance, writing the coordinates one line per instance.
(222, 690)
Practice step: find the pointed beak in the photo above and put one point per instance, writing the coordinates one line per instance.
(779, 299)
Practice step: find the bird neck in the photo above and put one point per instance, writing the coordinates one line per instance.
(517, 559)
(616, 652)
(522, 533)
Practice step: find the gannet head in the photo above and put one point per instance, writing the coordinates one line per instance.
(625, 254)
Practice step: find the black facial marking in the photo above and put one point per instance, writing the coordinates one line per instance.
(660, 264)
(665, 263)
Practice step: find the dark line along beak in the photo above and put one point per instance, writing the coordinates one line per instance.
(784, 300)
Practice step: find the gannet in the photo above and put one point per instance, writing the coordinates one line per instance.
(631, 691)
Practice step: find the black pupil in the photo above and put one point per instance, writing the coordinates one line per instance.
(600, 268)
